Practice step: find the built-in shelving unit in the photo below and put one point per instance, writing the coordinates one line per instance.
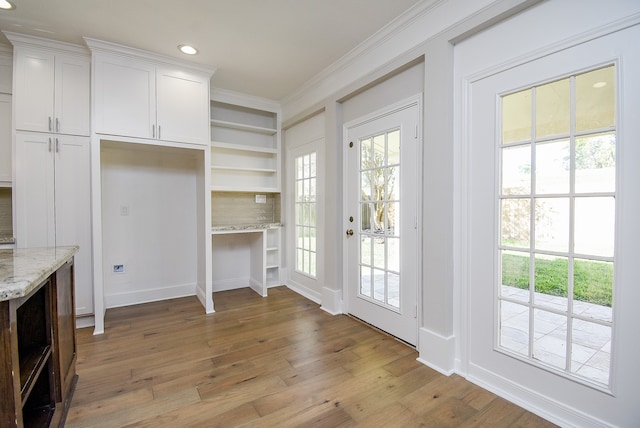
(245, 148)
(245, 158)
(272, 262)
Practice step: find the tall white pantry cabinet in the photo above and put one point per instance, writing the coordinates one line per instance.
(51, 104)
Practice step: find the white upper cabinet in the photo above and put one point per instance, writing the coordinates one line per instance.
(72, 95)
(183, 106)
(138, 94)
(125, 97)
(52, 86)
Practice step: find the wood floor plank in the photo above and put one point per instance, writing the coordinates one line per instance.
(274, 361)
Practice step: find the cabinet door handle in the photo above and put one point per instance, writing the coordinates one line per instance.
(57, 145)
(159, 137)
(50, 123)
(49, 143)
(57, 125)
(153, 131)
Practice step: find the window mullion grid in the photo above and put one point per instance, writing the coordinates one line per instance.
(385, 220)
(532, 223)
(362, 203)
(572, 200)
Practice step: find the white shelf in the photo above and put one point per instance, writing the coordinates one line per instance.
(241, 147)
(236, 168)
(243, 127)
(254, 189)
(245, 148)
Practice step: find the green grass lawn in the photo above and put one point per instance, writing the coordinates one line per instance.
(593, 280)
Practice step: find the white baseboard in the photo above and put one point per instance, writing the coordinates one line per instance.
(543, 406)
(307, 292)
(331, 301)
(85, 321)
(437, 351)
(150, 295)
(201, 295)
(258, 287)
(230, 284)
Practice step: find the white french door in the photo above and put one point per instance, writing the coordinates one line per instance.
(381, 208)
(551, 211)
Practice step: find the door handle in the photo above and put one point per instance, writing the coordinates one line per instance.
(350, 232)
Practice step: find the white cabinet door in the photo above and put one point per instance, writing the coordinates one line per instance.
(183, 106)
(72, 91)
(73, 211)
(53, 201)
(125, 100)
(6, 73)
(34, 190)
(52, 92)
(5, 138)
(34, 79)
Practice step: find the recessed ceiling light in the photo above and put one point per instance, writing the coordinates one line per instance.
(599, 85)
(185, 49)
(7, 5)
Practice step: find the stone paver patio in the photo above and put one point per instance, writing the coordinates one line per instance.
(590, 341)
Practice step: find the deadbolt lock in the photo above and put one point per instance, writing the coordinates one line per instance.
(350, 232)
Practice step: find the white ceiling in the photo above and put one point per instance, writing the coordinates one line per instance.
(266, 48)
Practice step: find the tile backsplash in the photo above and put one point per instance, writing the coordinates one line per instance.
(232, 208)
(6, 219)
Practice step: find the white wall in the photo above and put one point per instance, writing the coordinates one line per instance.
(149, 223)
(395, 88)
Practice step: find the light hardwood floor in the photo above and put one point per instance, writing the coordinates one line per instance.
(275, 361)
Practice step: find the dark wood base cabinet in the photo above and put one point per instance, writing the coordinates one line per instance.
(38, 350)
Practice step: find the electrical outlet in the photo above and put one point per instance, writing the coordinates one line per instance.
(124, 210)
(118, 268)
(261, 199)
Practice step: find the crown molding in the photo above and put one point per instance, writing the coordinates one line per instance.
(18, 40)
(101, 46)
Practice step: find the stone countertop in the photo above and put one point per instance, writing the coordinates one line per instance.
(245, 227)
(22, 270)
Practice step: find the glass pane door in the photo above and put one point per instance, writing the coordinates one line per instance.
(379, 218)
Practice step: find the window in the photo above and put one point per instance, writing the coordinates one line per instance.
(557, 190)
(305, 214)
(379, 218)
